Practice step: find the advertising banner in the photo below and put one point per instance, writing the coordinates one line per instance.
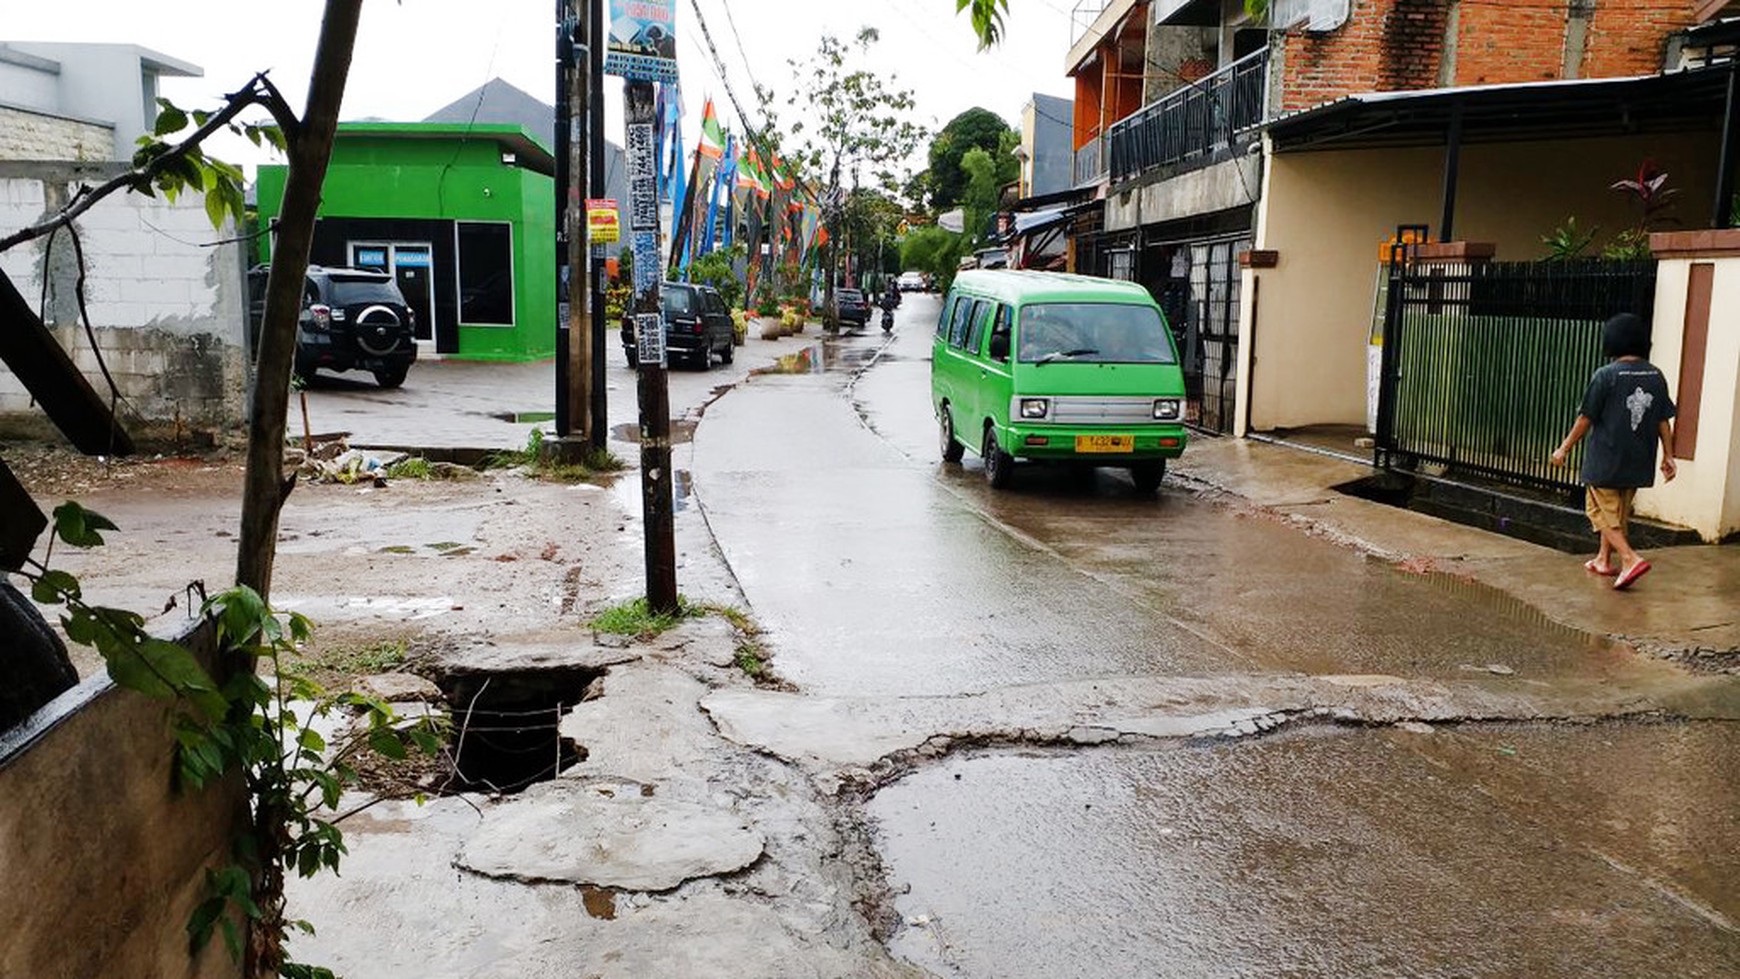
(643, 42)
(603, 223)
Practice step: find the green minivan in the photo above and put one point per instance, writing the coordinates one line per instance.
(1056, 368)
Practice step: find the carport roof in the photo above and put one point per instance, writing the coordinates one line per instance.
(1498, 113)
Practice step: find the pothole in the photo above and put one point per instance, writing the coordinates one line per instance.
(506, 733)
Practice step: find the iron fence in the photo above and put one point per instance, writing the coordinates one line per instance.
(1193, 126)
(1090, 161)
(1484, 365)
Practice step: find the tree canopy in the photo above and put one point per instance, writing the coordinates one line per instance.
(975, 128)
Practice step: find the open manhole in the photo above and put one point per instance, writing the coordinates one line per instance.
(506, 733)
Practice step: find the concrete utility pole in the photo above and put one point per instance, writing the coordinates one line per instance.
(601, 326)
(655, 404)
(574, 346)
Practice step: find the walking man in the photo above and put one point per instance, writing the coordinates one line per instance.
(1626, 413)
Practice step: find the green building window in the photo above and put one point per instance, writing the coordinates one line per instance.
(486, 273)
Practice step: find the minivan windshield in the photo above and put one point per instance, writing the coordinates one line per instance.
(1093, 333)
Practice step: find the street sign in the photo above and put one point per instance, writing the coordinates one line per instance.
(603, 223)
(643, 40)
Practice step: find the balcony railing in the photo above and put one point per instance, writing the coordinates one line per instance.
(1090, 161)
(1193, 126)
(1082, 17)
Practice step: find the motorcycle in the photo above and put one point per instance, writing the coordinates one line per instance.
(887, 319)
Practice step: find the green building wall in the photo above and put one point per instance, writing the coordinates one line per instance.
(437, 171)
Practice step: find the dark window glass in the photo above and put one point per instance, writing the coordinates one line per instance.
(678, 300)
(355, 292)
(486, 276)
(962, 322)
(1001, 327)
(942, 319)
(1095, 333)
(976, 339)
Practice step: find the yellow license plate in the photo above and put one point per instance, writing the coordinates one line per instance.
(1105, 443)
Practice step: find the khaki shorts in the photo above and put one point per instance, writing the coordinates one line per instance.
(1609, 509)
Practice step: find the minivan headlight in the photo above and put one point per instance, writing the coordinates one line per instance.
(1167, 409)
(1034, 409)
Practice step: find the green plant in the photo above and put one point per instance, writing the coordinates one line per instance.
(634, 618)
(415, 467)
(768, 303)
(1630, 245)
(1567, 241)
(254, 718)
(719, 270)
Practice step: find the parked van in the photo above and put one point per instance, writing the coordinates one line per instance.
(1056, 368)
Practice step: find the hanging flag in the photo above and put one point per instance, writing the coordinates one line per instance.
(712, 145)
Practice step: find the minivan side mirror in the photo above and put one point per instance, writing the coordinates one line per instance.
(999, 346)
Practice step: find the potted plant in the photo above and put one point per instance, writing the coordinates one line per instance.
(767, 311)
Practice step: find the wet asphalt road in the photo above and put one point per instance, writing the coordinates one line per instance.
(1482, 850)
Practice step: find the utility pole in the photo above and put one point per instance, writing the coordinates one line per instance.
(655, 408)
(600, 427)
(559, 140)
(580, 319)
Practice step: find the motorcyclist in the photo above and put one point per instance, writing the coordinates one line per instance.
(890, 299)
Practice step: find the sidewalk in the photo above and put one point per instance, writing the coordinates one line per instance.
(1690, 602)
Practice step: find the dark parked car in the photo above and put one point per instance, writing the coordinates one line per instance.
(697, 326)
(351, 319)
(852, 306)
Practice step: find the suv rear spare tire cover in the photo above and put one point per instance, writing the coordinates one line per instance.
(377, 330)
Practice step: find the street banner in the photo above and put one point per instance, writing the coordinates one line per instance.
(643, 229)
(603, 224)
(643, 40)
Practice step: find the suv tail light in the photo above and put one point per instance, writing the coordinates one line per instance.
(322, 314)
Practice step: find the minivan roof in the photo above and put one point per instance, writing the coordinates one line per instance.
(1026, 286)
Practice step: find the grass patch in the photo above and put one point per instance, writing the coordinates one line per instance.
(415, 467)
(540, 461)
(738, 618)
(634, 618)
(340, 663)
(752, 659)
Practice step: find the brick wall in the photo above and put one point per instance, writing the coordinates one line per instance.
(26, 135)
(167, 313)
(1391, 45)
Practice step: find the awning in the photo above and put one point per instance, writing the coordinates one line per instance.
(1072, 195)
(1496, 113)
(1038, 220)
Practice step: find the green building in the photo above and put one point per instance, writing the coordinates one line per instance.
(462, 214)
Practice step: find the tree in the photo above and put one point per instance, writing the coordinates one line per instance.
(932, 250)
(870, 221)
(975, 128)
(849, 120)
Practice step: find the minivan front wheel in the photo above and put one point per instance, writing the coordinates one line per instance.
(952, 449)
(999, 465)
(1147, 476)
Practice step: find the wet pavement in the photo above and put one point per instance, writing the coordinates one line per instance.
(1315, 757)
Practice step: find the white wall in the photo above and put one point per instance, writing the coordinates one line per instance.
(168, 313)
(26, 135)
(1706, 493)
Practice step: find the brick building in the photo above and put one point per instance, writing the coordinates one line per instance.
(1173, 97)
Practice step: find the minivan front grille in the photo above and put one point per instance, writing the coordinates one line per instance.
(1076, 410)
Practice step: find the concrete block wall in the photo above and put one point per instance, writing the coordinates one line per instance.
(26, 135)
(167, 312)
(101, 860)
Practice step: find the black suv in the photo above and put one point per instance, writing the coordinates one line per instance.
(697, 325)
(351, 319)
(851, 307)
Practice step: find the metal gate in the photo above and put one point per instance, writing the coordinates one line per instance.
(1211, 334)
(1484, 364)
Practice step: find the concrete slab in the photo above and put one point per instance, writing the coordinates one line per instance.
(608, 834)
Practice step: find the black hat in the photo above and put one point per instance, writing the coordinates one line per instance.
(1625, 335)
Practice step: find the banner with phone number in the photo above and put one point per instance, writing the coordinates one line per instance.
(643, 40)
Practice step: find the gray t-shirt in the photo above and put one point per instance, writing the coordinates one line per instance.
(1627, 401)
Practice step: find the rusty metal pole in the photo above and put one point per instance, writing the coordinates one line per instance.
(580, 319)
(655, 404)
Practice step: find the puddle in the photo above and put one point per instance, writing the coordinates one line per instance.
(506, 726)
(809, 360)
(524, 417)
(600, 903)
(682, 431)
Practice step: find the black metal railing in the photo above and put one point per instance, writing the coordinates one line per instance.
(1193, 126)
(1484, 365)
(1090, 161)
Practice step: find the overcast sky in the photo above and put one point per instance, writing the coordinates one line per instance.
(416, 56)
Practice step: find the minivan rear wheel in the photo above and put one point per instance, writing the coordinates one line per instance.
(952, 449)
(999, 465)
